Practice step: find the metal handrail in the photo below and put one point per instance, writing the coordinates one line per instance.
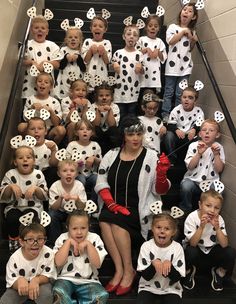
(14, 87)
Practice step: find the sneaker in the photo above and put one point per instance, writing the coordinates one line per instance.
(188, 282)
(217, 281)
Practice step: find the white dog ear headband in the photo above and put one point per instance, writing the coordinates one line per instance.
(75, 117)
(18, 141)
(89, 206)
(27, 219)
(47, 68)
(156, 208)
(98, 81)
(218, 117)
(78, 23)
(42, 113)
(208, 184)
(62, 154)
(129, 21)
(198, 85)
(199, 4)
(91, 14)
(160, 11)
(31, 12)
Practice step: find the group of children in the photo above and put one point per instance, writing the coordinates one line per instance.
(82, 112)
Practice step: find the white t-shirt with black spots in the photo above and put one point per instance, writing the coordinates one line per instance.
(18, 266)
(56, 190)
(65, 106)
(62, 87)
(152, 135)
(184, 120)
(205, 167)
(127, 82)
(116, 112)
(179, 60)
(36, 178)
(45, 51)
(78, 269)
(208, 238)
(152, 72)
(159, 284)
(97, 66)
(50, 102)
(42, 155)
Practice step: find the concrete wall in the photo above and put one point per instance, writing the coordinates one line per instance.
(217, 32)
(13, 21)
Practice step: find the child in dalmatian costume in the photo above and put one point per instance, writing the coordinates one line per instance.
(153, 49)
(97, 51)
(72, 62)
(39, 50)
(161, 261)
(206, 242)
(181, 39)
(155, 130)
(205, 160)
(78, 255)
(128, 67)
(23, 188)
(30, 269)
(182, 128)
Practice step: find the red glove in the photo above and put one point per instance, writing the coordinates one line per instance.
(110, 203)
(162, 183)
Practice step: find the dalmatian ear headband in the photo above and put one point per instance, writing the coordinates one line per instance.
(18, 141)
(198, 85)
(43, 114)
(62, 154)
(91, 13)
(90, 116)
(47, 68)
(89, 206)
(31, 12)
(27, 219)
(218, 117)
(199, 4)
(148, 97)
(65, 25)
(110, 80)
(86, 77)
(129, 21)
(208, 184)
(159, 12)
(156, 208)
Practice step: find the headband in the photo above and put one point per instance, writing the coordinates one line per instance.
(139, 127)
(65, 24)
(199, 4)
(208, 184)
(31, 12)
(160, 11)
(91, 14)
(156, 208)
(27, 219)
(18, 141)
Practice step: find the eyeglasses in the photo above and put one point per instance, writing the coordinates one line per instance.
(39, 241)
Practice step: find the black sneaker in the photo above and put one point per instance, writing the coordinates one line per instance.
(188, 282)
(217, 281)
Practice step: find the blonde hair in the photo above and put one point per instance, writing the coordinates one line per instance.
(80, 34)
(45, 74)
(212, 122)
(69, 162)
(39, 19)
(75, 83)
(211, 193)
(131, 26)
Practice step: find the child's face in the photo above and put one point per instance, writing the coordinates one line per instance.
(43, 86)
(188, 99)
(104, 97)
(98, 29)
(163, 232)
(152, 28)
(68, 173)
(32, 244)
(209, 133)
(39, 31)
(84, 133)
(150, 109)
(73, 39)
(24, 160)
(37, 129)
(211, 206)
(80, 90)
(187, 15)
(131, 37)
(78, 228)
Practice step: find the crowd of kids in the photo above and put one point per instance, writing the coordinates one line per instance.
(71, 119)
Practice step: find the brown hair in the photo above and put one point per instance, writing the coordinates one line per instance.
(77, 213)
(134, 26)
(16, 150)
(75, 83)
(154, 98)
(165, 216)
(36, 119)
(211, 193)
(211, 122)
(69, 162)
(153, 17)
(191, 89)
(103, 86)
(99, 17)
(192, 23)
(33, 227)
(45, 74)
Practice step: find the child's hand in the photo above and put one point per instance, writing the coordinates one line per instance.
(215, 222)
(180, 134)
(162, 131)
(37, 106)
(23, 286)
(201, 147)
(188, 33)
(191, 134)
(215, 149)
(30, 192)
(40, 66)
(82, 247)
(75, 246)
(66, 196)
(51, 146)
(138, 68)
(166, 267)
(158, 265)
(16, 191)
(94, 49)
(89, 162)
(101, 50)
(116, 67)
(149, 52)
(155, 54)
(34, 288)
(204, 220)
(80, 101)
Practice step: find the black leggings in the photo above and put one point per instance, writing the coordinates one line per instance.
(145, 297)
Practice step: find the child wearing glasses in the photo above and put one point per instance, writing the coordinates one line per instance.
(30, 268)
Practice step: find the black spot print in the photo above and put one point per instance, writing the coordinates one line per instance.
(171, 63)
(38, 176)
(86, 261)
(145, 220)
(47, 255)
(13, 275)
(101, 171)
(186, 43)
(157, 284)
(47, 269)
(13, 179)
(70, 267)
(22, 272)
(151, 255)
(147, 168)
(204, 177)
(201, 241)
(213, 238)
(15, 266)
(48, 49)
(179, 263)
(144, 261)
(174, 49)
(78, 275)
(39, 54)
(27, 183)
(31, 203)
(33, 270)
